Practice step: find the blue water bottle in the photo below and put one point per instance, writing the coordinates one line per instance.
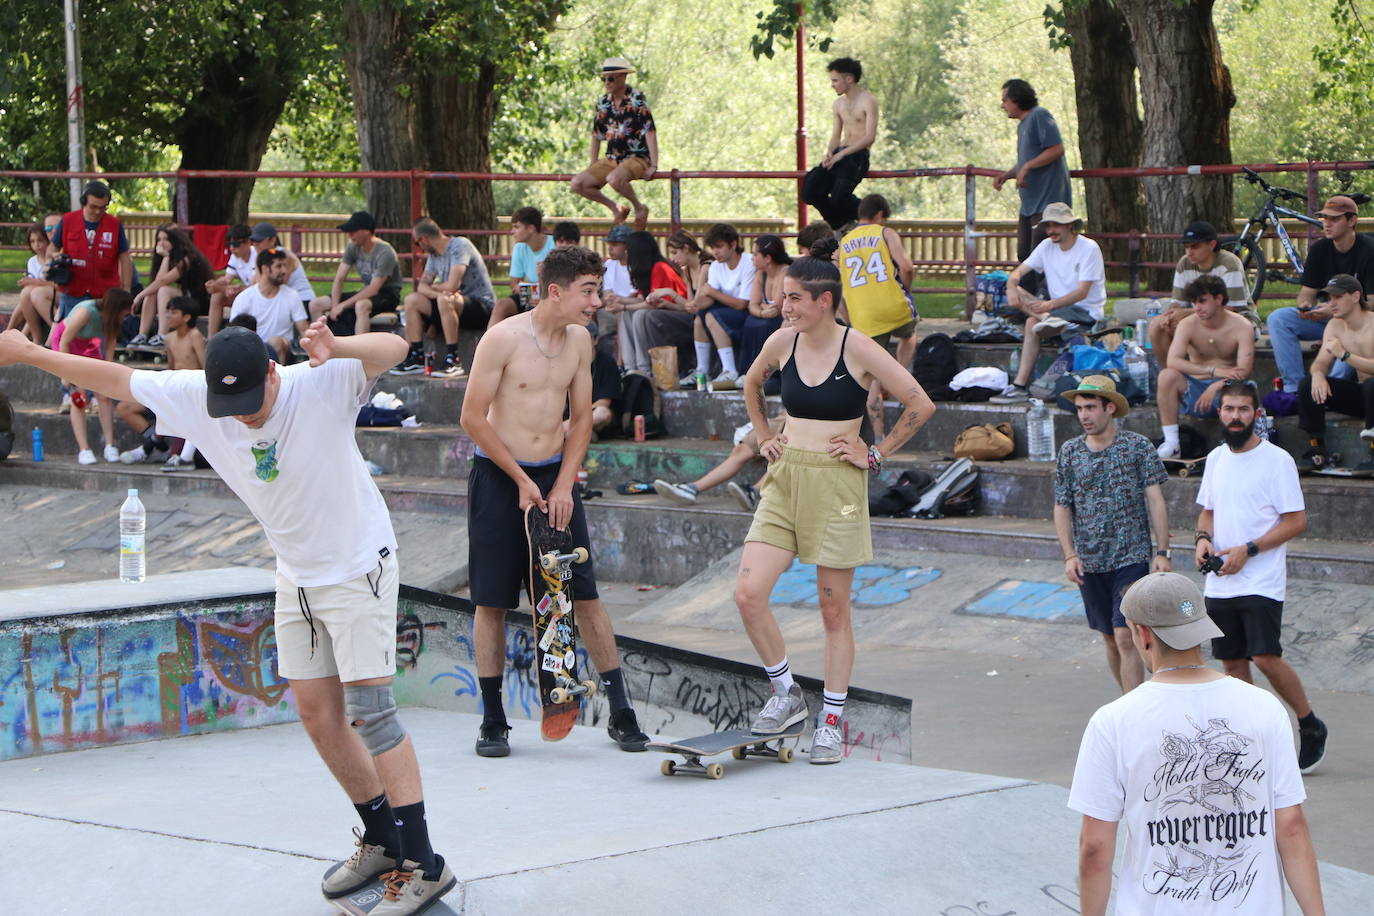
(37, 444)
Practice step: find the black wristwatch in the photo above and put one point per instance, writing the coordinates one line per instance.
(1164, 554)
(1345, 356)
(1251, 548)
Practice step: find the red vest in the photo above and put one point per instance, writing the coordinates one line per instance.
(95, 266)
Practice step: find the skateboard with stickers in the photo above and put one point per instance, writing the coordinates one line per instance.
(368, 897)
(142, 354)
(552, 555)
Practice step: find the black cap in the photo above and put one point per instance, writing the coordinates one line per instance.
(262, 232)
(1200, 231)
(1343, 283)
(235, 373)
(360, 219)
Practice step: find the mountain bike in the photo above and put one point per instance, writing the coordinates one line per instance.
(1269, 217)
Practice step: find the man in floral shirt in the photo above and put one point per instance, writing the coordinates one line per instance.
(1108, 495)
(624, 122)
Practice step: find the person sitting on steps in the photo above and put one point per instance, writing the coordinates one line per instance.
(1348, 337)
(745, 451)
(1212, 345)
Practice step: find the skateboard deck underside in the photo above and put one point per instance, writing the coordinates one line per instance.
(556, 652)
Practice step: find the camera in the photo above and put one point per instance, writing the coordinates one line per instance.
(59, 270)
(1210, 563)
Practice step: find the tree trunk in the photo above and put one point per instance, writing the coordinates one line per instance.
(1109, 128)
(1186, 93)
(454, 128)
(377, 54)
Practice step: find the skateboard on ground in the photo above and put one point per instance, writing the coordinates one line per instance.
(1331, 470)
(555, 632)
(740, 743)
(366, 899)
(155, 355)
(1185, 467)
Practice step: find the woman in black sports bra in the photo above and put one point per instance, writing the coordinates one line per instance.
(815, 506)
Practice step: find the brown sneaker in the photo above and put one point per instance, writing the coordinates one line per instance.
(367, 864)
(409, 891)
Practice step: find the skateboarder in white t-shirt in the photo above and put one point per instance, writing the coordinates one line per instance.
(282, 439)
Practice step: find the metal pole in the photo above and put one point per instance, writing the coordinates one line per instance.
(76, 101)
(801, 112)
(1313, 204)
(417, 212)
(970, 241)
(675, 200)
(1133, 265)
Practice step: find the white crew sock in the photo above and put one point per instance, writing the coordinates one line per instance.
(833, 711)
(727, 360)
(703, 356)
(1170, 434)
(781, 676)
(188, 452)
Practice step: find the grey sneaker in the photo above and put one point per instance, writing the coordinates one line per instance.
(780, 713)
(684, 494)
(366, 865)
(746, 496)
(827, 746)
(1012, 394)
(409, 891)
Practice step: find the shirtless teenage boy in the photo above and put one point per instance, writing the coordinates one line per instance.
(524, 371)
(1349, 337)
(1212, 345)
(829, 187)
(185, 350)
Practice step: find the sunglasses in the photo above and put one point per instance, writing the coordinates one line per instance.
(612, 77)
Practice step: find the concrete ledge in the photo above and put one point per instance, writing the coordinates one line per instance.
(81, 598)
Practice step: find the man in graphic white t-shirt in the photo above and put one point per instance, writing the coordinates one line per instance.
(1076, 278)
(1199, 768)
(1251, 507)
(282, 439)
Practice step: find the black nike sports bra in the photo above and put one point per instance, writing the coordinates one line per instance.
(839, 397)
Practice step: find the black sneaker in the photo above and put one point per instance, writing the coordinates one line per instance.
(1314, 459)
(624, 731)
(451, 367)
(414, 362)
(1311, 747)
(492, 741)
(1364, 468)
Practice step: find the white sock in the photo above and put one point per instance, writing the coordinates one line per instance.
(1170, 434)
(703, 356)
(188, 452)
(781, 676)
(727, 360)
(833, 711)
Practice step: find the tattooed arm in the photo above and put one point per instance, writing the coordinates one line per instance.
(883, 370)
(764, 365)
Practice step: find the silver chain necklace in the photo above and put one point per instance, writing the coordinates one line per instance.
(542, 352)
(1177, 668)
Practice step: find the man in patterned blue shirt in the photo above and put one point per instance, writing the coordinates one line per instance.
(1108, 496)
(624, 122)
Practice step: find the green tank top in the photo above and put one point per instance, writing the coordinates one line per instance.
(92, 326)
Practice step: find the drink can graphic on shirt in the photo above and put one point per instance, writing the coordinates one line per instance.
(265, 460)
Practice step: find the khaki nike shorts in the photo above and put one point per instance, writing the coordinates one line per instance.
(815, 506)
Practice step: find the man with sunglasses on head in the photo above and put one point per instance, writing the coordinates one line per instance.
(624, 122)
(1251, 507)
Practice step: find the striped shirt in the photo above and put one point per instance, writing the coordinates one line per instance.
(1227, 266)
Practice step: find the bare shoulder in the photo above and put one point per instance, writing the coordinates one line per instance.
(498, 342)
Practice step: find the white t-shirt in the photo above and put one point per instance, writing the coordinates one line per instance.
(242, 269)
(37, 267)
(1064, 270)
(300, 282)
(1247, 492)
(275, 314)
(301, 474)
(1194, 772)
(738, 282)
(617, 279)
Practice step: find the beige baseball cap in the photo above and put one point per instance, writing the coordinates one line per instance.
(1062, 214)
(1171, 605)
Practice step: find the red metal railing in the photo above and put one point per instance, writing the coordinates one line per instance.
(969, 263)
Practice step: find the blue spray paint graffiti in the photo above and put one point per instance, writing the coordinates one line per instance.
(874, 586)
(1034, 600)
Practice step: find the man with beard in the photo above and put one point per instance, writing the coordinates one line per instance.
(1108, 494)
(276, 307)
(1251, 507)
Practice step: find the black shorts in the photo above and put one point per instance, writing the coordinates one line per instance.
(1250, 624)
(498, 552)
(386, 300)
(474, 316)
(1102, 595)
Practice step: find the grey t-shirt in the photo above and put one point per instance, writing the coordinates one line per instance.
(380, 261)
(1035, 133)
(476, 283)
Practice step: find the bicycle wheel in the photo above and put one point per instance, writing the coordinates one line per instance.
(1251, 260)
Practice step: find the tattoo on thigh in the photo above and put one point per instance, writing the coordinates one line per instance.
(744, 573)
(829, 592)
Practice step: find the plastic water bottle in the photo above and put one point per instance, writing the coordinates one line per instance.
(1264, 427)
(1142, 333)
(37, 444)
(1137, 364)
(1040, 432)
(132, 523)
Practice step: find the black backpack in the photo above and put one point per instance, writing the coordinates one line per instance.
(937, 362)
(6, 426)
(637, 399)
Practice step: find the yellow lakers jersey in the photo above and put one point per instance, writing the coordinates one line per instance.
(873, 291)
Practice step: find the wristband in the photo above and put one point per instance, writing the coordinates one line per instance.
(1072, 556)
(1345, 356)
(875, 459)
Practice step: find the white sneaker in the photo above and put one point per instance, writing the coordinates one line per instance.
(66, 403)
(1049, 326)
(85, 456)
(138, 340)
(175, 463)
(1012, 394)
(133, 455)
(726, 381)
(156, 340)
(827, 745)
(1367, 433)
(1168, 449)
(111, 454)
(684, 494)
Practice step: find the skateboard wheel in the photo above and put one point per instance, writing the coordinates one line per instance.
(715, 771)
(785, 755)
(738, 753)
(667, 768)
(590, 686)
(548, 562)
(580, 555)
(559, 695)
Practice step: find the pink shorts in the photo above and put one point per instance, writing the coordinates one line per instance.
(80, 346)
